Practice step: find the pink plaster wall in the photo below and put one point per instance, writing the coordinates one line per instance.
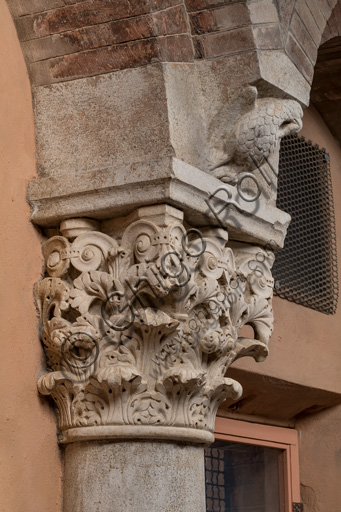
(306, 349)
(30, 466)
(306, 345)
(320, 460)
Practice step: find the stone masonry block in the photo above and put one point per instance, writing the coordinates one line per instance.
(225, 18)
(300, 59)
(268, 37)
(303, 37)
(314, 6)
(285, 10)
(331, 3)
(334, 21)
(263, 11)
(92, 123)
(226, 43)
(325, 8)
(308, 20)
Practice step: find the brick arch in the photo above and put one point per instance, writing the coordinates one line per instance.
(306, 32)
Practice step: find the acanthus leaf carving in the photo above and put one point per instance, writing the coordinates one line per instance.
(143, 332)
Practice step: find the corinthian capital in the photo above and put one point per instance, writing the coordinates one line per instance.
(140, 325)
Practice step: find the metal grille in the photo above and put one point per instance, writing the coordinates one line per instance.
(305, 271)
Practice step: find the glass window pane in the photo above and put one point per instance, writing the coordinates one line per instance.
(244, 478)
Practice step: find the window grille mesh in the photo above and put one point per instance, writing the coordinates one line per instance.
(305, 270)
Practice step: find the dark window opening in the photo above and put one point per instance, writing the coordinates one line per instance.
(244, 478)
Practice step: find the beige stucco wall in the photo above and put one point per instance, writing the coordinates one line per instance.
(305, 347)
(320, 435)
(30, 467)
(320, 460)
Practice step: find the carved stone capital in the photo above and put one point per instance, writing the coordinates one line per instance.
(140, 327)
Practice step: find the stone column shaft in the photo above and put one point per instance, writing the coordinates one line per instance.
(133, 476)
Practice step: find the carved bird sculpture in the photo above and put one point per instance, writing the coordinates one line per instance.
(248, 131)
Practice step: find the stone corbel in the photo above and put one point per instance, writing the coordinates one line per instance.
(140, 325)
(244, 140)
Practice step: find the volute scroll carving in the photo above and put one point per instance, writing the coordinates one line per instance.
(140, 330)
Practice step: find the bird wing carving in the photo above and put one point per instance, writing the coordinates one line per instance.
(248, 131)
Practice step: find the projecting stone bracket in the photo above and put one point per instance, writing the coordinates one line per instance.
(116, 192)
(140, 323)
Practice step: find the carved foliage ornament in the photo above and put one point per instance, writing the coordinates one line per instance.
(139, 332)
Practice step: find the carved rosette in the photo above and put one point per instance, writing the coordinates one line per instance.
(139, 331)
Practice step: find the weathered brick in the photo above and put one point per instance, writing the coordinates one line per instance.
(268, 37)
(300, 59)
(83, 14)
(168, 22)
(178, 48)
(95, 62)
(308, 20)
(224, 18)
(88, 38)
(200, 5)
(203, 22)
(303, 37)
(171, 21)
(224, 43)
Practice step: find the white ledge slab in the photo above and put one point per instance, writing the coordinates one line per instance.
(110, 193)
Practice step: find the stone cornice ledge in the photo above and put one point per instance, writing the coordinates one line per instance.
(110, 193)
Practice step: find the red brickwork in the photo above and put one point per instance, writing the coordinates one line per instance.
(68, 39)
(75, 39)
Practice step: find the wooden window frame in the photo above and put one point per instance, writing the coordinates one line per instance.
(285, 439)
